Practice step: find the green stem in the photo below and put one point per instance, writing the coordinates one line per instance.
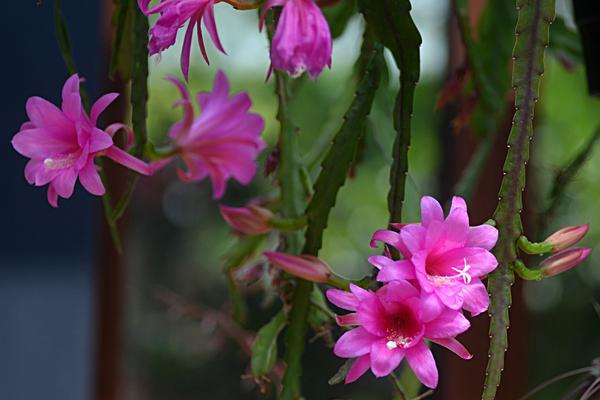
(288, 224)
(533, 247)
(139, 81)
(525, 273)
(532, 35)
(398, 389)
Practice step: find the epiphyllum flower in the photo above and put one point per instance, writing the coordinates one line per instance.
(173, 15)
(446, 256)
(223, 141)
(62, 144)
(302, 40)
(391, 325)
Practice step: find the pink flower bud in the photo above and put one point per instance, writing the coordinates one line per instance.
(564, 261)
(567, 237)
(251, 219)
(306, 267)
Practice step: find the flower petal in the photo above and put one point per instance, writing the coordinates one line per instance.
(448, 324)
(354, 343)
(392, 270)
(454, 346)
(90, 179)
(342, 299)
(383, 359)
(422, 363)
(484, 236)
(431, 210)
(475, 298)
(359, 367)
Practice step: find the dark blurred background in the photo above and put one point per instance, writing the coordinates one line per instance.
(80, 322)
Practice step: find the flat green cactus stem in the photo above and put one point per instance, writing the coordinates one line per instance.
(532, 38)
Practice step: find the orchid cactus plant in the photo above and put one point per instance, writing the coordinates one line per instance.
(426, 279)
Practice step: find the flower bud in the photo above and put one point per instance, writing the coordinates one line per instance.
(566, 237)
(251, 219)
(306, 267)
(563, 261)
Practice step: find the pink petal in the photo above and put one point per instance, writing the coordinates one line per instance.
(211, 26)
(371, 315)
(99, 140)
(448, 324)
(64, 183)
(100, 105)
(454, 346)
(46, 115)
(342, 299)
(476, 298)
(422, 363)
(360, 366)
(347, 320)
(458, 202)
(431, 307)
(354, 343)
(397, 291)
(90, 179)
(40, 143)
(451, 295)
(187, 48)
(383, 360)
(480, 260)
(484, 236)
(127, 160)
(431, 210)
(392, 270)
(413, 237)
(31, 169)
(52, 196)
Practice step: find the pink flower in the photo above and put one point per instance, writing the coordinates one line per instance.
(173, 15)
(251, 219)
(302, 40)
(307, 267)
(564, 260)
(62, 144)
(392, 324)
(223, 142)
(445, 256)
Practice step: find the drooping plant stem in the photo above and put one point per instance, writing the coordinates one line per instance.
(532, 35)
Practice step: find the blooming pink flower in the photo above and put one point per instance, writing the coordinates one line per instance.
(445, 256)
(564, 260)
(62, 144)
(223, 141)
(251, 219)
(302, 40)
(307, 267)
(173, 15)
(392, 324)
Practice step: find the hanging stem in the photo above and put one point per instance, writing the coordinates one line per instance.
(532, 35)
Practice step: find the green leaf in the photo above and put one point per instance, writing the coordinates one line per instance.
(320, 313)
(532, 37)
(122, 52)
(392, 24)
(340, 375)
(264, 350)
(340, 156)
(338, 16)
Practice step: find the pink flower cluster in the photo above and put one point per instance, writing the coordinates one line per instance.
(444, 260)
(62, 144)
(302, 40)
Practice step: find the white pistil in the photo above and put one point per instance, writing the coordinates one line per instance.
(391, 345)
(462, 272)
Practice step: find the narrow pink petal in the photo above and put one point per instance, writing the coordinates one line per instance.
(112, 129)
(397, 291)
(391, 238)
(431, 307)
(484, 236)
(39, 143)
(52, 196)
(423, 365)
(383, 360)
(476, 298)
(127, 160)
(360, 366)
(413, 237)
(481, 261)
(71, 86)
(354, 343)
(457, 226)
(360, 293)
(448, 324)
(100, 105)
(46, 115)
(431, 210)
(90, 179)
(342, 299)
(211, 26)
(347, 320)
(187, 48)
(31, 170)
(99, 140)
(454, 346)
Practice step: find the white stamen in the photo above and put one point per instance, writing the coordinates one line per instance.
(391, 345)
(462, 273)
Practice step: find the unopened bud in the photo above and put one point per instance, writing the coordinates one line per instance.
(306, 267)
(567, 237)
(252, 219)
(564, 261)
